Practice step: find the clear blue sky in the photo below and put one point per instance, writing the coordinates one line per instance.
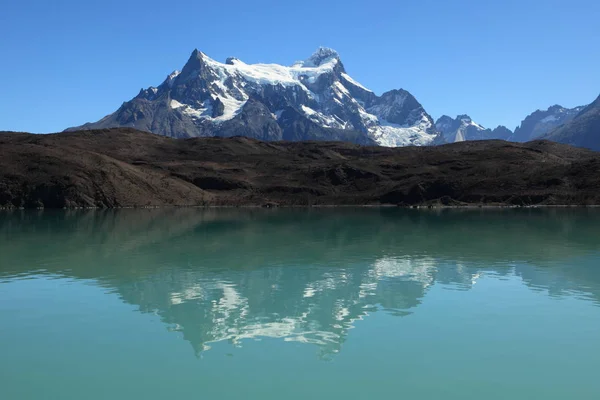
(66, 62)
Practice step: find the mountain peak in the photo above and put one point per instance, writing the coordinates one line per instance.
(197, 54)
(555, 108)
(195, 58)
(195, 63)
(321, 56)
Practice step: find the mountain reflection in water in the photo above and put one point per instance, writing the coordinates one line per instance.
(299, 275)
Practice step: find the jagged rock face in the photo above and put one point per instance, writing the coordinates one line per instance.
(542, 122)
(311, 100)
(582, 131)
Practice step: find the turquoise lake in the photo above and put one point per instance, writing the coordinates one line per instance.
(347, 303)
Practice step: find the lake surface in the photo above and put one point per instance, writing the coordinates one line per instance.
(300, 304)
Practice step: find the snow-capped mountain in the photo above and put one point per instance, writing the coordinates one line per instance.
(541, 122)
(463, 128)
(313, 99)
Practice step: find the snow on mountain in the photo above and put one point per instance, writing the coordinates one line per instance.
(314, 99)
(348, 79)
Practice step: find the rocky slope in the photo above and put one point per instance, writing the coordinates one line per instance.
(581, 131)
(541, 122)
(313, 99)
(125, 167)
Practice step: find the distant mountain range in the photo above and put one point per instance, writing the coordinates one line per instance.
(316, 99)
(463, 128)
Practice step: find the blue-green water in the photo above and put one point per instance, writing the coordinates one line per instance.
(300, 304)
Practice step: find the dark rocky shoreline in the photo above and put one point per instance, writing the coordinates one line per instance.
(123, 167)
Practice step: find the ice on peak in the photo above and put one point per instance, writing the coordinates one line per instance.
(321, 56)
(324, 52)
